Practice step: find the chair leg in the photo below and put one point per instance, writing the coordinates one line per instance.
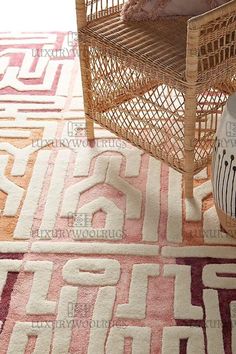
(90, 129)
(188, 185)
(86, 85)
(189, 140)
(85, 68)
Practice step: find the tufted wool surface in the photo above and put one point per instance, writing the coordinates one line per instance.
(99, 253)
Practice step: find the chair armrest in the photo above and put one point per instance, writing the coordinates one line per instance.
(212, 15)
(211, 44)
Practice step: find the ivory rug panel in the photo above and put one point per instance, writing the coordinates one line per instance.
(99, 253)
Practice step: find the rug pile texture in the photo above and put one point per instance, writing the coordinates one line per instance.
(99, 252)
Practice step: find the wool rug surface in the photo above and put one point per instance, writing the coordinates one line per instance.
(99, 252)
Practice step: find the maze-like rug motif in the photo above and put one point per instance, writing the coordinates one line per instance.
(99, 253)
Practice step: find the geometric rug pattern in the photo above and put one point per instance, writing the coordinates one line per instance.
(99, 252)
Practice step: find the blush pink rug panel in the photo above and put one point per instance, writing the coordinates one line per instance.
(99, 252)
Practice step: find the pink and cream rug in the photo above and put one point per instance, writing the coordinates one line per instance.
(99, 252)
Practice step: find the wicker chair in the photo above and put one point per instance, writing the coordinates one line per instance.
(160, 85)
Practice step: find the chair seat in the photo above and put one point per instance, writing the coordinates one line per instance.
(161, 43)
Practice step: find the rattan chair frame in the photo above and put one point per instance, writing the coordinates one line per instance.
(210, 68)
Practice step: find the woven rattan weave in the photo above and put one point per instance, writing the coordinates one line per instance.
(160, 85)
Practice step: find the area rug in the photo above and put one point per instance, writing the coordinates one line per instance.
(100, 253)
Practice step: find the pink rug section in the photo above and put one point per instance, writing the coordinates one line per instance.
(103, 256)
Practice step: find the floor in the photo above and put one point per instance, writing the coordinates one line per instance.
(37, 16)
(69, 211)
